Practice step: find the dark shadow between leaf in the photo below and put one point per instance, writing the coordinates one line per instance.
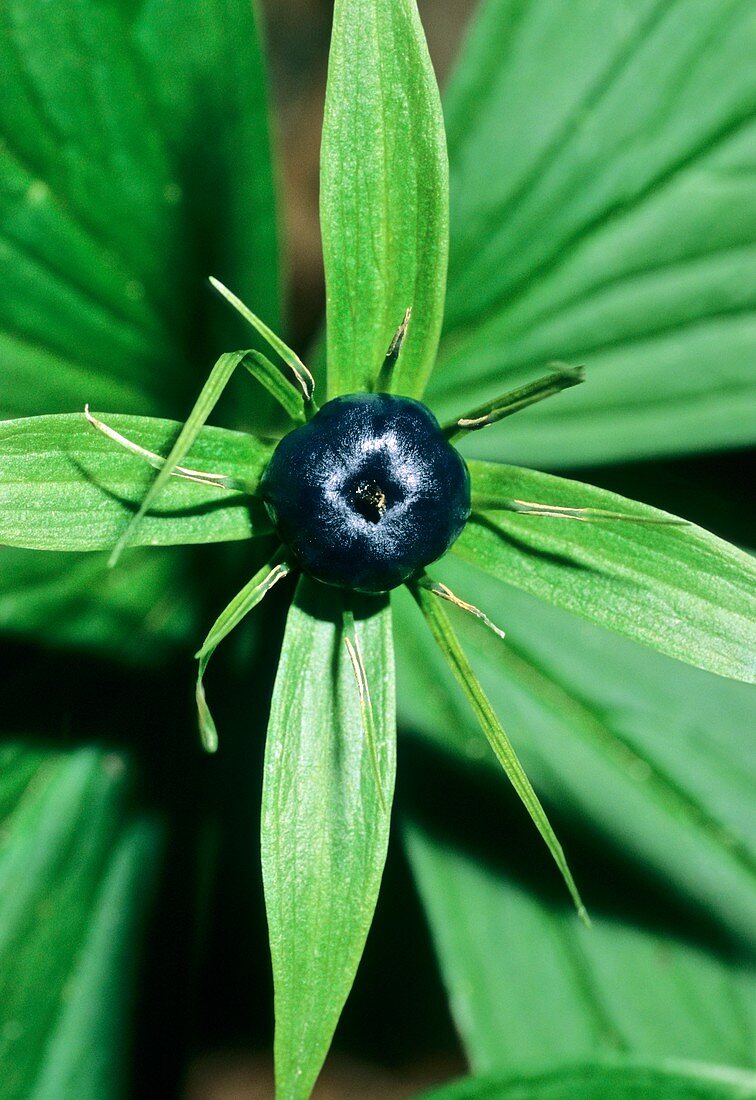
(471, 811)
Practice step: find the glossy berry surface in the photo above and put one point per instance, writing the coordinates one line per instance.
(368, 492)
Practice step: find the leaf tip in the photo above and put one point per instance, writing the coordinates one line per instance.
(573, 376)
(207, 729)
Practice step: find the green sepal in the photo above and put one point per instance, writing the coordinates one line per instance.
(444, 635)
(243, 602)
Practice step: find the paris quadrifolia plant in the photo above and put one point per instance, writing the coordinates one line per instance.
(362, 493)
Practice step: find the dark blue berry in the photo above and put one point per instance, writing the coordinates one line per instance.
(368, 492)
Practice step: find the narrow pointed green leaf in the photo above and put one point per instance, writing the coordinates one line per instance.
(649, 752)
(602, 188)
(269, 376)
(324, 830)
(678, 589)
(243, 602)
(523, 977)
(76, 873)
(441, 629)
(445, 593)
(383, 196)
(498, 408)
(599, 1081)
(65, 486)
(302, 376)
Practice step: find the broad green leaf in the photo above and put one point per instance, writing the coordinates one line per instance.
(383, 196)
(76, 870)
(125, 181)
(678, 589)
(602, 162)
(442, 631)
(599, 1081)
(650, 753)
(530, 987)
(105, 238)
(324, 828)
(65, 486)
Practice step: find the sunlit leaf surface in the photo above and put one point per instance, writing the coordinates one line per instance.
(602, 160)
(384, 196)
(325, 823)
(678, 589)
(66, 486)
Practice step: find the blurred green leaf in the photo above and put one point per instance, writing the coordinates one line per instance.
(602, 164)
(140, 610)
(104, 222)
(65, 486)
(384, 196)
(678, 589)
(650, 752)
(324, 827)
(530, 987)
(212, 102)
(76, 872)
(607, 1082)
(125, 181)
